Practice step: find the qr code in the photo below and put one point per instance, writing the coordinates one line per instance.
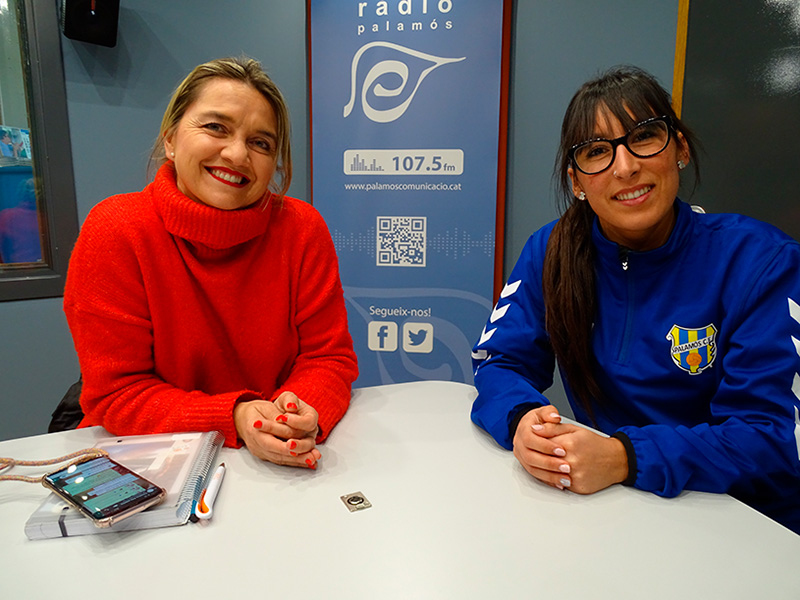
(401, 241)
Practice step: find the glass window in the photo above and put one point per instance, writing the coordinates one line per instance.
(37, 225)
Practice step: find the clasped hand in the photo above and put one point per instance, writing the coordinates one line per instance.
(568, 456)
(282, 432)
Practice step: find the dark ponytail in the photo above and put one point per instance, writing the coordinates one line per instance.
(569, 296)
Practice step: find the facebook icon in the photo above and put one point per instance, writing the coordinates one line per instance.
(382, 336)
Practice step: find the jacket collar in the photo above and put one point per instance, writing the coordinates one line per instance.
(608, 252)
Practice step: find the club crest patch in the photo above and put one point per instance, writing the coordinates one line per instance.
(693, 350)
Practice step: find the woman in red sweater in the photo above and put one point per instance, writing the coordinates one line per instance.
(210, 300)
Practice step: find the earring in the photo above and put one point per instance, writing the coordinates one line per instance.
(582, 196)
(681, 165)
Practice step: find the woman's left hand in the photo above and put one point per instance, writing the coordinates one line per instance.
(297, 419)
(596, 462)
(283, 432)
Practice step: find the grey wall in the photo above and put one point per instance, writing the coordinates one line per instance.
(557, 46)
(743, 101)
(116, 97)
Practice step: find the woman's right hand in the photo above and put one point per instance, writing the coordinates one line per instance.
(540, 456)
(258, 425)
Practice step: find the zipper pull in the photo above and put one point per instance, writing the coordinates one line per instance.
(622, 253)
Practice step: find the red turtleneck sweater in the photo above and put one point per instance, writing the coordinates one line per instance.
(178, 310)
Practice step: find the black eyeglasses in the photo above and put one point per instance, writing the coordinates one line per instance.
(646, 139)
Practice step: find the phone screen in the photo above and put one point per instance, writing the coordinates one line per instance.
(103, 488)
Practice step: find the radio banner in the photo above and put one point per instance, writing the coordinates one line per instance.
(406, 108)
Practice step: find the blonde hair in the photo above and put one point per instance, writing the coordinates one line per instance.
(245, 70)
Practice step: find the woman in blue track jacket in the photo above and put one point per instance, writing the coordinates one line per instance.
(675, 332)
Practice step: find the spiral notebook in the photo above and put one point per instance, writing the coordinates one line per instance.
(178, 462)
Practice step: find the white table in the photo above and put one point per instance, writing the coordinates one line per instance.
(453, 516)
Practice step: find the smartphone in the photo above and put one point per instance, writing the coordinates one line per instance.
(103, 490)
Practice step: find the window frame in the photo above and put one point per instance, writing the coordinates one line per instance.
(40, 36)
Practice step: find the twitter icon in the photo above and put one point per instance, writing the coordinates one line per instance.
(418, 338)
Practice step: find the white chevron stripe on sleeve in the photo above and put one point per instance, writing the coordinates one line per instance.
(794, 310)
(797, 430)
(499, 312)
(511, 288)
(796, 345)
(796, 386)
(486, 335)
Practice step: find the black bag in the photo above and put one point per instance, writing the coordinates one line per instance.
(68, 413)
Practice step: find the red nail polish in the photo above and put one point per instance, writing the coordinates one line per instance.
(292, 453)
(281, 419)
(257, 424)
(291, 405)
(292, 444)
(310, 464)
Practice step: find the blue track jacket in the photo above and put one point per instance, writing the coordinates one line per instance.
(698, 351)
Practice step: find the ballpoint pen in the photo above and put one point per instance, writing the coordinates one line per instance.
(205, 505)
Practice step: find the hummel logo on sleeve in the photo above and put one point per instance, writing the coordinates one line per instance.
(794, 312)
(499, 311)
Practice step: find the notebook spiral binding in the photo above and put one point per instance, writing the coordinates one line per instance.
(190, 493)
